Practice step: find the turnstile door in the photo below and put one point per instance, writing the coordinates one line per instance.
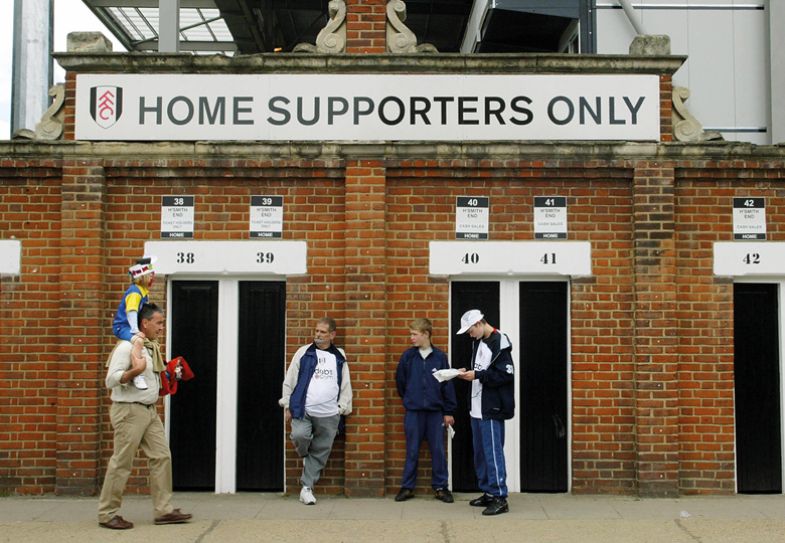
(194, 307)
(757, 386)
(482, 295)
(543, 385)
(261, 367)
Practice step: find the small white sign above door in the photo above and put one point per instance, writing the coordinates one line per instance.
(471, 217)
(749, 258)
(510, 258)
(229, 257)
(10, 256)
(749, 218)
(177, 217)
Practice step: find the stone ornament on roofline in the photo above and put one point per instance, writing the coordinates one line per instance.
(400, 39)
(331, 38)
(50, 127)
(685, 126)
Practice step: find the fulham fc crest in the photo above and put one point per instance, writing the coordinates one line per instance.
(106, 105)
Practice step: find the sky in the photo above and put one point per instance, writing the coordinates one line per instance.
(69, 16)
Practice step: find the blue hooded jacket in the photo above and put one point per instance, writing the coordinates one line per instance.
(419, 388)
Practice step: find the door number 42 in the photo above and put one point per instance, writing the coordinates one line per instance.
(751, 258)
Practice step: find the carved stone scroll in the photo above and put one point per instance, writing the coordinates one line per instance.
(400, 39)
(332, 38)
(685, 126)
(50, 127)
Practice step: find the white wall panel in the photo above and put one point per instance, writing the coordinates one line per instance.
(614, 32)
(751, 64)
(711, 79)
(728, 66)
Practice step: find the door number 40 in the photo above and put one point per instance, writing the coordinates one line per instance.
(474, 258)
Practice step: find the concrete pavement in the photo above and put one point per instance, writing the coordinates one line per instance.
(537, 518)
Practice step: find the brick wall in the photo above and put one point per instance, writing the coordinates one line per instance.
(651, 330)
(29, 325)
(705, 311)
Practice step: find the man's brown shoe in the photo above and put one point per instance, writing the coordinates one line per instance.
(175, 517)
(117, 523)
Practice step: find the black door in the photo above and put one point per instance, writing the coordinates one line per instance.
(543, 386)
(469, 295)
(757, 385)
(194, 308)
(260, 371)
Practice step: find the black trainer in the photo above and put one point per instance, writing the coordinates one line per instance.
(483, 501)
(498, 507)
(404, 494)
(444, 494)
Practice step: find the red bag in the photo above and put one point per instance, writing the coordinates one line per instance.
(169, 376)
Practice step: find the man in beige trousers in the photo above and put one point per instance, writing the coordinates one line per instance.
(136, 424)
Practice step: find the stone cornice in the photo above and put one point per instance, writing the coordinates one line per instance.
(539, 63)
(549, 151)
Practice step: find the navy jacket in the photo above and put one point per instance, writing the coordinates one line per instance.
(498, 381)
(419, 388)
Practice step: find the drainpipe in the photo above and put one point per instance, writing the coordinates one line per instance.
(630, 12)
(32, 65)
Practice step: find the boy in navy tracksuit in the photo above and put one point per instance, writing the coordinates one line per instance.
(430, 406)
(492, 402)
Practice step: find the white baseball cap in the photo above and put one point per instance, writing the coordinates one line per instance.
(469, 319)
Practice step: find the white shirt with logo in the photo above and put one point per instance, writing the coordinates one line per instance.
(322, 397)
(481, 362)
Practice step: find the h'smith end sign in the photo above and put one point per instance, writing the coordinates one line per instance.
(177, 217)
(471, 217)
(749, 218)
(367, 107)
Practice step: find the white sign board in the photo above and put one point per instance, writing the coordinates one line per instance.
(510, 258)
(266, 217)
(733, 259)
(177, 217)
(10, 256)
(471, 217)
(550, 217)
(367, 107)
(225, 257)
(749, 218)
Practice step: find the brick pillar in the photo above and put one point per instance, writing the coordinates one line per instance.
(656, 341)
(69, 120)
(366, 319)
(666, 108)
(366, 22)
(82, 350)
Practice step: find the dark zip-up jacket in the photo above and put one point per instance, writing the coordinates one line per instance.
(498, 381)
(419, 388)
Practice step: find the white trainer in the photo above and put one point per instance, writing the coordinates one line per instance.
(306, 496)
(140, 383)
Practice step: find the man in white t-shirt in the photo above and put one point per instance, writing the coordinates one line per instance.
(316, 393)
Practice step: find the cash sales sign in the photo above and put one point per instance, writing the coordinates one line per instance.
(367, 107)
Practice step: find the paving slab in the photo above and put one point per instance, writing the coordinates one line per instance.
(536, 518)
